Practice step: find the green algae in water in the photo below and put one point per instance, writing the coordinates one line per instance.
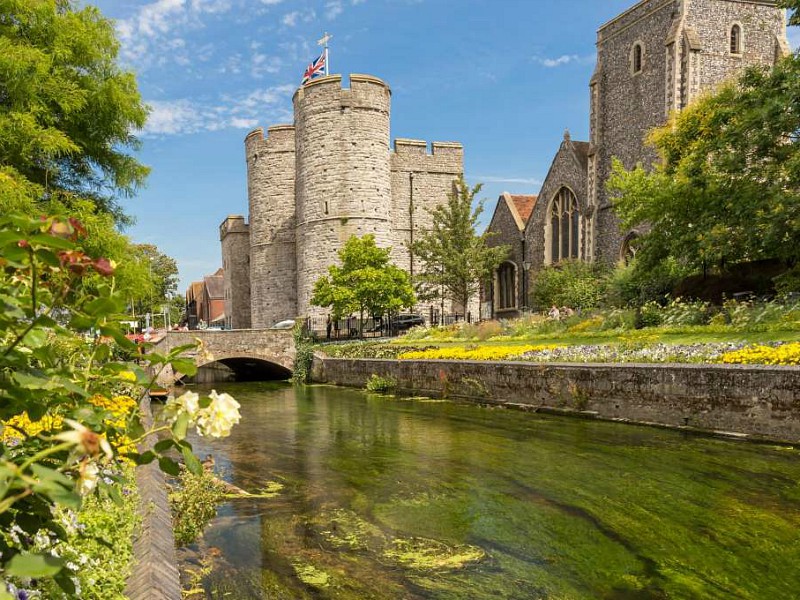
(425, 555)
(312, 576)
(560, 508)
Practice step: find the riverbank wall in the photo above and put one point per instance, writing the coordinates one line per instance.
(747, 400)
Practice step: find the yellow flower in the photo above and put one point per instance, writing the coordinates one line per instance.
(128, 376)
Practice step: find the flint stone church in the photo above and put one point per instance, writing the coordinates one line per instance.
(652, 59)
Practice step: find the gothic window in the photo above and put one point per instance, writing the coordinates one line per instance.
(736, 39)
(506, 286)
(637, 58)
(564, 226)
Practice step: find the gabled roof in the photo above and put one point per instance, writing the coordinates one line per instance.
(521, 207)
(215, 285)
(194, 291)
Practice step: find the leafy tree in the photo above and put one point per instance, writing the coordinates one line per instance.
(365, 282)
(67, 111)
(794, 6)
(727, 187)
(453, 258)
(570, 283)
(162, 273)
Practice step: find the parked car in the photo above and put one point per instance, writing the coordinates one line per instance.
(406, 322)
(287, 324)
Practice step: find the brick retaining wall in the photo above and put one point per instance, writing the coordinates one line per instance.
(753, 400)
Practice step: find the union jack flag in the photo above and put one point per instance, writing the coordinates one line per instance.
(315, 69)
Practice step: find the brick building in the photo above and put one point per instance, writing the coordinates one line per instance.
(652, 59)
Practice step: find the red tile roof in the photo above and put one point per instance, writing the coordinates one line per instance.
(524, 205)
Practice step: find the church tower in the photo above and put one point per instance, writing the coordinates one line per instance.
(657, 57)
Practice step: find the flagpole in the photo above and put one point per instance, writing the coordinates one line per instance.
(324, 42)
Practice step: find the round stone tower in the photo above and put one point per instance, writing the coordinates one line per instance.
(270, 188)
(343, 180)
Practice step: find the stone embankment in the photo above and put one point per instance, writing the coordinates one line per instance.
(757, 401)
(155, 574)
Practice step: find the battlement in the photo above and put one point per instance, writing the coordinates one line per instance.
(413, 155)
(233, 224)
(279, 138)
(328, 93)
(408, 147)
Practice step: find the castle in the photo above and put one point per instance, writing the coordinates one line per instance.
(332, 174)
(652, 59)
(314, 184)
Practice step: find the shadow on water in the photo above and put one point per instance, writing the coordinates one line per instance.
(394, 498)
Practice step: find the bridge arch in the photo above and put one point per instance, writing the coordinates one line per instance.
(239, 367)
(240, 355)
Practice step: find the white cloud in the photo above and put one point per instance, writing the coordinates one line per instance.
(271, 2)
(564, 59)
(184, 116)
(501, 179)
(290, 19)
(152, 28)
(333, 9)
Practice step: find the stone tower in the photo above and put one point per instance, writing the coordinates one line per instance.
(270, 188)
(343, 172)
(234, 234)
(314, 184)
(657, 57)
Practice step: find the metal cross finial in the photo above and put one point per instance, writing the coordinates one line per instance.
(325, 39)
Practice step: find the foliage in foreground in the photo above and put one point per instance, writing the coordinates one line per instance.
(67, 411)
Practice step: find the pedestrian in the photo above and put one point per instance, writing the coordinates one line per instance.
(554, 313)
(328, 327)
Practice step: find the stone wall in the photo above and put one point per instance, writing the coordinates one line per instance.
(760, 401)
(234, 234)
(271, 193)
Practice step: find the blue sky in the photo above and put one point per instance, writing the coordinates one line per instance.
(503, 77)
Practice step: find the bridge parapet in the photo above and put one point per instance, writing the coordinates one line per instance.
(270, 345)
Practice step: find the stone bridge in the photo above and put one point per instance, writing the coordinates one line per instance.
(239, 354)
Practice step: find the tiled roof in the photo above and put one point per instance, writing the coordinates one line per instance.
(215, 285)
(524, 205)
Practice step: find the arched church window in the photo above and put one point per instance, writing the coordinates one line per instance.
(506, 286)
(637, 58)
(564, 226)
(736, 39)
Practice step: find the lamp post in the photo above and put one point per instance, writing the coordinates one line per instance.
(526, 267)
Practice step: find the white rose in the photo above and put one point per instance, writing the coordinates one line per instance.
(220, 416)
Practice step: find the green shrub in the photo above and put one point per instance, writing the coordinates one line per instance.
(379, 384)
(304, 355)
(194, 504)
(575, 284)
(788, 282)
(631, 286)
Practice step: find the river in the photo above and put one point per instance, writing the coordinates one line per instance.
(381, 497)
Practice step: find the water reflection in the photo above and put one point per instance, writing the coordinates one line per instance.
(389, 498)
